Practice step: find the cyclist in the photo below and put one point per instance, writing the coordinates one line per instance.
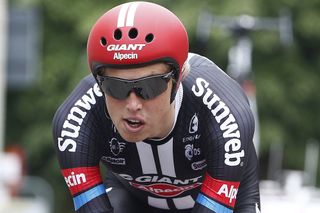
(173, 130)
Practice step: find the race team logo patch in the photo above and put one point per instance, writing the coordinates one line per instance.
(194, 124)
(116, 147)
(81, 178)
(223, 191)
(164, 189)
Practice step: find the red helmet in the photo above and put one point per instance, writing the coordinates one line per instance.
(137, 34)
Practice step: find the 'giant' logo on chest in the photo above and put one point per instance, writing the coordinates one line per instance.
(162, 186)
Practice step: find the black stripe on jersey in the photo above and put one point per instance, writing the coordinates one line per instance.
(200, 208)
(156, 158)
(171, 204)
(79, 193)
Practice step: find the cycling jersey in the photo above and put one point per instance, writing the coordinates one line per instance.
(207, 163)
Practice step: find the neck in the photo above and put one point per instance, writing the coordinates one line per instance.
(168, 122)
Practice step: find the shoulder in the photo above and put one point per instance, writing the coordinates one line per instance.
(85, 99)
(217, 93)
(202, 72)
(205, 78)
(196, 60)
(201, 66)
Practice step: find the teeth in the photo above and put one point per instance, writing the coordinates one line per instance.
(134, 122)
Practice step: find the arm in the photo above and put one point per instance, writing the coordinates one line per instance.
(79, 148)
(217, 196)
(231, 181)
(221, 196)
(86, 187)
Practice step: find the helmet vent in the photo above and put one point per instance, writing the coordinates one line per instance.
(149, 37)
(117, 34)
(133, 33)
(103, 41)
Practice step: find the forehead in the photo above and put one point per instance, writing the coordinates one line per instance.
(132, 73)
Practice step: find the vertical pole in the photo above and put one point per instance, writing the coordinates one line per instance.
(240, 69)
(275, 161)
(311, 162)
(3, 67)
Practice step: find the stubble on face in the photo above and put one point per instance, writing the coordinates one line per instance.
(137, 119)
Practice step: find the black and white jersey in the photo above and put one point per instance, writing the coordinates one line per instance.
(207, 162)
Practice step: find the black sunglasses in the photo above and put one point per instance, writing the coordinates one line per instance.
(146, 87)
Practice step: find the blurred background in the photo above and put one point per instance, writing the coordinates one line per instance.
(271, 47)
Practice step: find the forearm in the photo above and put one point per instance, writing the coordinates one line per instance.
(100, 204)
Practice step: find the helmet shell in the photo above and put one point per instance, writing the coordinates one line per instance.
(136, 34)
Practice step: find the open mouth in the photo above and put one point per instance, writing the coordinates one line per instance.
(134, 123)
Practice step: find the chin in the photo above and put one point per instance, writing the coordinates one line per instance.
(132, 138)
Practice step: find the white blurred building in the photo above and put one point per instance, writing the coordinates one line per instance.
(291, 196)
(22, 194)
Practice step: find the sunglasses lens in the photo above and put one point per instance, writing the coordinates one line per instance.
(146, 88)
(117, 89)
(152, 87)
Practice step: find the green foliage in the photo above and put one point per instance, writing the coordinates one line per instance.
(287, 78)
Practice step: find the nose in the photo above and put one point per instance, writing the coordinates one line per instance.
(133, 102)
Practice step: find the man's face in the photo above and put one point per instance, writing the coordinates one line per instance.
(137, 119)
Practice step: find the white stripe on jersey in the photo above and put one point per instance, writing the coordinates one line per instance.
(158, 202)
(178, 103)
(186, 202)
(165, 152)
(147, 161)
(127, 14)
